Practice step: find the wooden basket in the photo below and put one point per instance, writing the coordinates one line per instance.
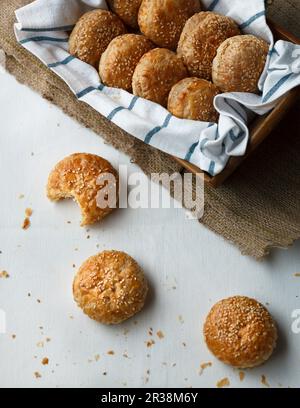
(260, 128)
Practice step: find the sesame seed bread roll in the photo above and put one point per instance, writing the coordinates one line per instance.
(127, 10)
(163, 20)
(120, 59)
(77, 177)
(240, 332)
(156, 73)
(193, 98)
(92, 34)
(110, 287)
(239, 63)
(200, 39)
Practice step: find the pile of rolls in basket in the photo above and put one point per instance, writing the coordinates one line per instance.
(170, 52)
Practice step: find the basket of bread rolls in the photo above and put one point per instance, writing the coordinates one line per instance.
(176, 59)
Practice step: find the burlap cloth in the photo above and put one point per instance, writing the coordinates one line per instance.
(257, 208)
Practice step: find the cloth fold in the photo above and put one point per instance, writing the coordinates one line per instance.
(42, 29)
(257, 209)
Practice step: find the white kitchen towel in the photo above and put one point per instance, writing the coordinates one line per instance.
(42, 28)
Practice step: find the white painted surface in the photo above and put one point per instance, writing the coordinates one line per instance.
(188, 266)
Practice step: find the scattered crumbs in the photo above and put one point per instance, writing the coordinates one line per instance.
(88, 237)
(223, 383)
(13, 336)
(147, 376)
(164, 364)
(125, 355)
(124, 384)
(241, 375)
(264, 381)
(4, 274)
(111, 353)
(68, 222)
(48, 339)
(28, 212)
(21, 196)
(184, 344)
(37, 374)
(45, 361)
(41, 327)
(135, 322)
(104, 373)
(97, 357)
(267, 304)
(71, 317)
(174, 287)
(150, 331)
(148, 355)
(180, 318)
(97, 246)
(149, 343)
(203, 366)
(297, 275)
(74, 266)
(90, 361)
(125, 332)
(160, 334)
(32, 154)
(186, 379)
(40, 344)
(58, 124)
(29, 294)
(38, 300)
(26, 223)
(173, 364)
(76, 249)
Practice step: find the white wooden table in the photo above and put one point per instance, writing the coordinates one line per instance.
(188, 266)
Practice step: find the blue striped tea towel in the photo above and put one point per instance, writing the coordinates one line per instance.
(42, 28)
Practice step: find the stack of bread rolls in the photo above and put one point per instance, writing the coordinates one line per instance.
(170, 52)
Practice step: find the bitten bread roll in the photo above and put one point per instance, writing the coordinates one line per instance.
(163, 20)
(92, 34)
(200, 39)
(156, 73)
(193, 98)
(110, 287)
(240, 331)
(120, 59)
(127, 10)
(239, 63)
(79, 177)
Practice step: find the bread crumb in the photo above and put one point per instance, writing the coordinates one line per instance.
(13, 336)
(26, 223)
(264, 381)
(45, 361)
(28, 212)
(223, 383)
(203, 366)
(150, 343)
(37, 374)
(38, 300)
(242, 375)
(4, 274)
(40, 344)
(21, 196)
(48, 339)
(110, 352)
(160, 334)
(97, 357)
(297, 275)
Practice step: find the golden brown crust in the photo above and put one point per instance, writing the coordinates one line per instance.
(127, 10)
(110, 287)
(156, 73)
(120, 59)
(239, 64)
(92, 34)
(193, 98)
(240, 332)
(200, 39)
(77, 176)
(163, 20)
